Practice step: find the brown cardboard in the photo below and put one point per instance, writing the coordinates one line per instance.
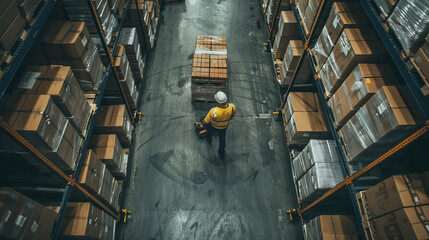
(59, 82)
(337, 227)
(115, 119)
(422, 61)
(394, 193)
(81, 220)
(33, 222)
(108, 150)
(294, 51)
(406, 223)
(299, 102)
(287, 24)
(8, 12)
(45, 224)
(304, 126)
(91, 173)
(63, 40)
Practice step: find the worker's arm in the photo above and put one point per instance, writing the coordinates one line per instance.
(208, 119)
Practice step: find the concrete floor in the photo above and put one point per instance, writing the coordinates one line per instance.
(178, 188)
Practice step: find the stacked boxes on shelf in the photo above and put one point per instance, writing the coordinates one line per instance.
(354, 46)
(386, 7)
(291, 58)
(129, 39)
(78, 11)
(270, 10)
(317, 169)
(209, 68)
(24, 218)
(149, 12)
(387, 118)
(287, 30)
(304, 118)
(308, 15)
(325, 227)
(359, 86)
(39, 120)
(69, 44)
(396, 208)
(342, 15)
(122, 66)
(83, 220)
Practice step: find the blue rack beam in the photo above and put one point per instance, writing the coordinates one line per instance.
(24, 46)
(91, 125)
(411, 79)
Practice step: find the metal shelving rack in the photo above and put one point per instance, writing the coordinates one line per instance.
(8, 77)
(410, 78)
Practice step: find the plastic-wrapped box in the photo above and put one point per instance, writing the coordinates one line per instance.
(292, 55)
(114, 197)
(92, 173)
(322, 48)
(353, 47)
(319, 179)
(316, 151)
(387, 118)
(60, 83)
(129, 39)
(410, 23)
(122, 172)
(115, 119)
(331, 227)
(41, 122)
(84, 215)
(360, 85)
(108, 227)
(108, 150)
(300, 102)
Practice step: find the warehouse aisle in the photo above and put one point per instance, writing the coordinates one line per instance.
(178, 187)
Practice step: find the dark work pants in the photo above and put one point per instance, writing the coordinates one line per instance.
(222, 135)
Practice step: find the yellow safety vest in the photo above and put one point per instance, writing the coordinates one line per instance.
(219, 117)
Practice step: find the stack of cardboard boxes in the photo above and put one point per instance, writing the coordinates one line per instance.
(149, 11)
(24, 218)
(387, 118)
(209, 68)
(307, 10)
(112, 93)
(85, 221)
(269, 7)
(326, 227)
(316, 169)
(396, 208)
(304, 119)
(287, 30)
(293, 53)
(50, 111)
(69, 44)
(15, 16)
(342, 15)
(129, 39)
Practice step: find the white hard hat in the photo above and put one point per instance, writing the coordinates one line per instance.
(220, 97)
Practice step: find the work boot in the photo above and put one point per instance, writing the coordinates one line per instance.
(221, 154)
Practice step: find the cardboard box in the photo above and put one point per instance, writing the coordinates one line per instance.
(331, 227)
(300, 102)
(59, 82)
(381, 123)
(352, 48)
(385, 6)
(406, 223)
(304, 126)
(81, 220)
(287, 30)
(89, 78)
(8, 11)
(129, 39)
(115, 119)
(360, 85)
(422, 61)
(345, 15)
(91, 176)
(32, 223)
(396, 192)
(11, 204)
(294, 51)
(43, 228)
(65, 40)
(108, 150)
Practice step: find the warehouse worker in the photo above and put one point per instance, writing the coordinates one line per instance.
(218, 120)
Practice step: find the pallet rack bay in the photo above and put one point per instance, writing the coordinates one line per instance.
(347, 189)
